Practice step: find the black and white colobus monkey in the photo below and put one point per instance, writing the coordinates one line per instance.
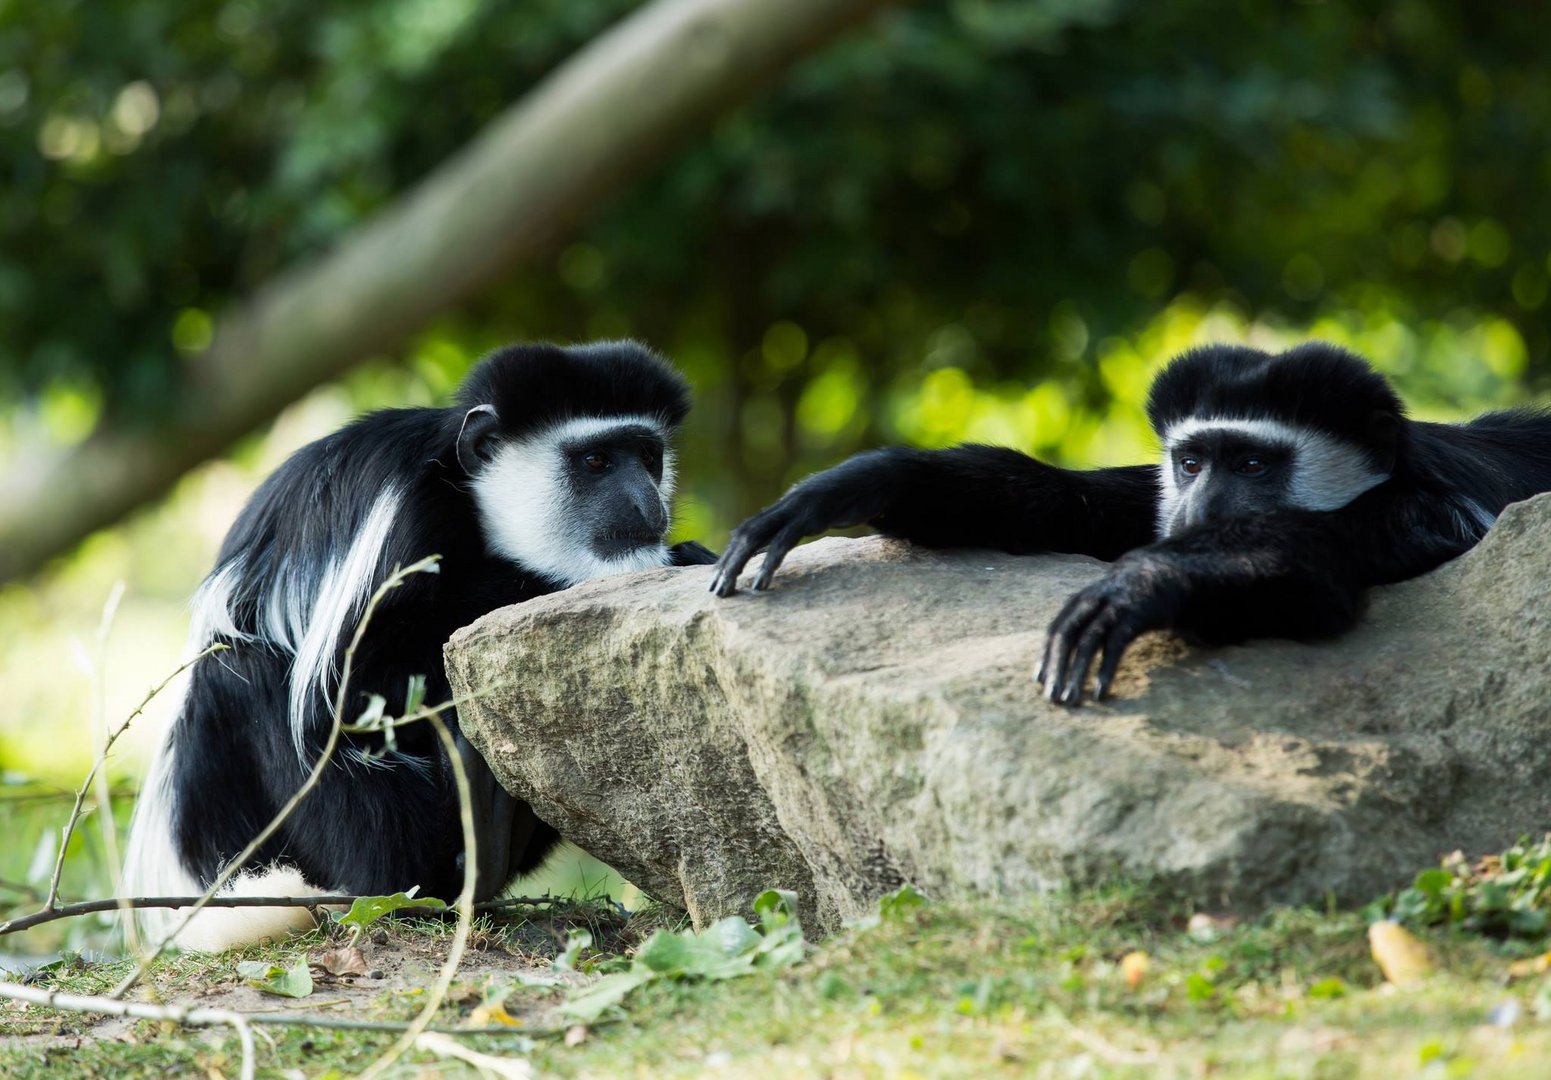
(1289, 484)
(554, 467)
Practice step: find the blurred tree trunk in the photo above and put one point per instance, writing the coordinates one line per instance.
(588, 130)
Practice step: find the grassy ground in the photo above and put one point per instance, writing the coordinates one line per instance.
(944, 990)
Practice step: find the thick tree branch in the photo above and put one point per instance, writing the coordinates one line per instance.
(538, 169)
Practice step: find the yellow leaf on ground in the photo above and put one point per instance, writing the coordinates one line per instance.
(492, 1016)
(1403, 959)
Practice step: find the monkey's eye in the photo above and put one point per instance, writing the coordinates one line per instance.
(595, 461)
(1252, 466)
(1190, 466)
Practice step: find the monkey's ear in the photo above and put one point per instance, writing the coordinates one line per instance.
(1384, 438)
(476, 439)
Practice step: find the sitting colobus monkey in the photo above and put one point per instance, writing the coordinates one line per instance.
(554, 467)
(1289, 484)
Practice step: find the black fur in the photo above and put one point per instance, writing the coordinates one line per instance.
(370, 828)
(1289, 572)
(1315, 386)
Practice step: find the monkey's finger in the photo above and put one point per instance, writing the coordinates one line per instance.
(741, 547)
(1093, 637)
(1115, 646)
(1050, 663)
(725, 581)
(783, 543)
(1059, 662)
(1064, 632)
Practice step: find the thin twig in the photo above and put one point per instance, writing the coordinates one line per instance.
(237, 863)
(425, 712)
(197, 1016)
(60, 795)
(52, 902)
(102, 789)
(507, 1068)
(465, 907)
(491, 907)
(192, 1015)
(90, 907)
(91, 664)
(22, 887)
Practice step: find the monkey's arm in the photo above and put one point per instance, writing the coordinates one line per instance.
(1292, 574)
(969, 496)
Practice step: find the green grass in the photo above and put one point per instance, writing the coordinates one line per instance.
(944, 990)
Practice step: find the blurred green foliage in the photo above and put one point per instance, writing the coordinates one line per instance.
(978, 193)
(982, 219)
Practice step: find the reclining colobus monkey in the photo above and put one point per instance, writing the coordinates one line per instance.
(1289, 484)
(554, 467)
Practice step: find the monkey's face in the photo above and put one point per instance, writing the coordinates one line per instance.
(616, 486)
(1216, 469)
(578, 500)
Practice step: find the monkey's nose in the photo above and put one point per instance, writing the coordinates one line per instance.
(653, 515)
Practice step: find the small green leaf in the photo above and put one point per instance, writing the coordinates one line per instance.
(593, 1001)
(292, 982)
(731, 936)
(566, 961)
(1431, 883)
(775, 907)
(1199, 988)
(1377, 911)
(903, 899)
(371, 716)
(1328, 989)
(781, 948)
(724, 951)
(414, 695)
(368, 909)
(1414, 906)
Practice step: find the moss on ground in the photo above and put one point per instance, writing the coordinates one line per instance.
(943, 990)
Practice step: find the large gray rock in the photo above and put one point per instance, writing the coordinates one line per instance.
(872, 721)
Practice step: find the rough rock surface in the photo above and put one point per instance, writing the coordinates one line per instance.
(872, 721)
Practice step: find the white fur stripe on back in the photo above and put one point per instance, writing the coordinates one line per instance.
(339, 600)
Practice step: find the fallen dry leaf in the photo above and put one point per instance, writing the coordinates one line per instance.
(344, 961)
(576, 1034)
(1403, 959)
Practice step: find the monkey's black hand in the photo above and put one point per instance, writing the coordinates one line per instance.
(1141, 593)
(851, 493)
(691, 553)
